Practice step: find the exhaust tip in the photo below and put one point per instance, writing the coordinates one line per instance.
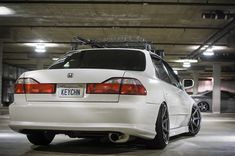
(114, 136)
(118, 137)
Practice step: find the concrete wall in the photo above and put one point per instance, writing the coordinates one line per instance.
(228, 85)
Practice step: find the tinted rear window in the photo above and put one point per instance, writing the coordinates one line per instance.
(103, 59)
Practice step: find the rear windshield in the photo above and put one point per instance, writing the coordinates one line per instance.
(103, 59)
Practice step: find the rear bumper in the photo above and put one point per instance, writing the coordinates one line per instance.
(137, 119)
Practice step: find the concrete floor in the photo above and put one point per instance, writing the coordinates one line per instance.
(216, 138)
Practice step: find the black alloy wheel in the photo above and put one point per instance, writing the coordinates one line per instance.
(195, 121)
(162, 128)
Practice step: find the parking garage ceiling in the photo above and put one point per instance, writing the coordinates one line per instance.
(176, 26)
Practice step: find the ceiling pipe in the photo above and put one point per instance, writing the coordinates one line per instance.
(213, 39)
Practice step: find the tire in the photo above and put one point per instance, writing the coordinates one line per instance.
(162, 129)
(203, 106)
(194, 122)
(40, 138)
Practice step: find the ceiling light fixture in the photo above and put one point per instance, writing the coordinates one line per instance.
(193, 47)
(6, 11)
(40, 45)
(40, 48)
(187, 60)
(208, 52)
(219, 48)
(214, 47)
(204, 47)
(45, 44)
(55, 58)
(178, 69)
(186, 64)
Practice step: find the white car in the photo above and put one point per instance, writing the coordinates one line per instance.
(113, 92)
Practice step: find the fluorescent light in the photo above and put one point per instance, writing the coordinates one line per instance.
(40, 45)
(219, 47)
(6, 11)
(193, 47)
(45, 44)
(187, 60)
(176, 72)
(178, 68)
(55, 58)
(204, 47)
(40, 48)
(210, 49)
(208, 52)
(186, 64)
(207, 46)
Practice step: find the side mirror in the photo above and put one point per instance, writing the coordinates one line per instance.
(188, 83)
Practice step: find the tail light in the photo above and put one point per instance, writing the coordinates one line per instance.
(31, 86)
(124, 86)
(19, 86)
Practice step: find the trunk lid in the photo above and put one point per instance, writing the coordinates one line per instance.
(71, 84)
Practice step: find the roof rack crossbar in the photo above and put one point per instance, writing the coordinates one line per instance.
(137, 44)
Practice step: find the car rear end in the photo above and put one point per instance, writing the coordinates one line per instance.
(87, 92)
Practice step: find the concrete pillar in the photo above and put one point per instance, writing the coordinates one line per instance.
(195, 79)
(1, 69)
(40, 64)
(5, 34)
(216, 100)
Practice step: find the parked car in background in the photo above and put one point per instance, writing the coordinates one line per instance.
(204, 101)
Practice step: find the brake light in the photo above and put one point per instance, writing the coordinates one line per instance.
(31, 86)
(103, 88)
(39, 88)
(132, 87)
(124, 86)
(111, 86)
(19, 86)
(19, 89)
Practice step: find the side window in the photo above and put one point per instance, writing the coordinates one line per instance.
(173, 77)
(209, 94)
(160, 70)
(225, 95)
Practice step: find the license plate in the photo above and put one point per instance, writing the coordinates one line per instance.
(70, 92)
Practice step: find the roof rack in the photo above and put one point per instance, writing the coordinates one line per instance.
(82, 41)
(120, 42)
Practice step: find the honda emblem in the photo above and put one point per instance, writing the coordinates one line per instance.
(70, 75)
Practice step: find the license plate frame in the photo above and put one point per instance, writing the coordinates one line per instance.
(70, 91)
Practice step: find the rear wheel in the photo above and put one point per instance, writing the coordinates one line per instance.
(40, 138)
(203, 106)
(162, 128)
(195, 121)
